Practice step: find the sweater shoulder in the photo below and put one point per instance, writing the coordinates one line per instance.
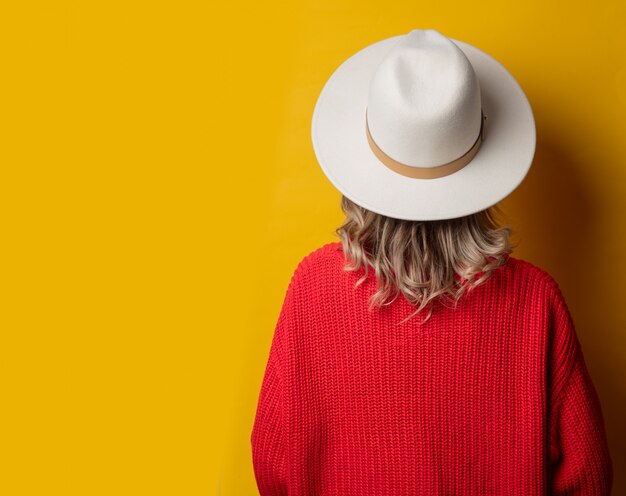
(564, 344)
(532, 271)
(311, 264)
(539, 280)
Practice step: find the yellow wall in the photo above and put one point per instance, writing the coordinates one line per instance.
(159, 186)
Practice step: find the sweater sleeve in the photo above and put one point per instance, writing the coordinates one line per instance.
(579, 459)
(268, 436)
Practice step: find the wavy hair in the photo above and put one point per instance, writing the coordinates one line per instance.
(423, 260)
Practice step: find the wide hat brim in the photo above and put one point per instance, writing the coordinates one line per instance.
(343, 152)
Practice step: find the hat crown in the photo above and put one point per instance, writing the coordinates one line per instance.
(424, 102)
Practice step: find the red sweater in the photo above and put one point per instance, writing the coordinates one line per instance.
(493, 398)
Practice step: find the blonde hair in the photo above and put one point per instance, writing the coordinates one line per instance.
(420, 259)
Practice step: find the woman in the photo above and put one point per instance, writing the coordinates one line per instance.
(416, 356)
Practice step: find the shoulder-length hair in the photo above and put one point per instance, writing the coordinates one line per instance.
(423, 260)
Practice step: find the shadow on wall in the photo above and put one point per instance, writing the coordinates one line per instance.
(562, 226)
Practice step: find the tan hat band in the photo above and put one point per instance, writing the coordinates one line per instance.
(426, 172)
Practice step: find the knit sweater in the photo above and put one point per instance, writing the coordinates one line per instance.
(491, 398)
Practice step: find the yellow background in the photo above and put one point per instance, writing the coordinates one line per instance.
(159, 187)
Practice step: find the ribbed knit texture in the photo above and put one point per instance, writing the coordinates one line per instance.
(493, 398)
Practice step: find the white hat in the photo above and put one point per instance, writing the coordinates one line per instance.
(423, 127)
